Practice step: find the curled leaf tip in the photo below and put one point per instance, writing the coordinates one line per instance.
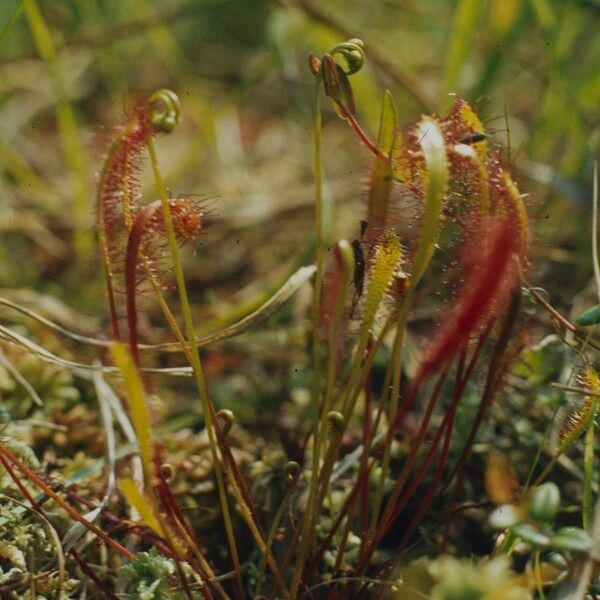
(227, 419)
(164, 110)
(353, 52)
(336, 421)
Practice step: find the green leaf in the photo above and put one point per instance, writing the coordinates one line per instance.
(381, 274)
(434, 153)
(532, 535)
(380, 181)
(544, 503)
(571, 539)
(387, 123)
(588, 317)
(138, 409)
(136, 498)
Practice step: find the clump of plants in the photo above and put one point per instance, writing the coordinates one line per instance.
(445, 230)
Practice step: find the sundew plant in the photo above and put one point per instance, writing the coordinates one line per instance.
(414, 331)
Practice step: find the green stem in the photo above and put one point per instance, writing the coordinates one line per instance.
(363, 369)
(258, 536)
(346, 258)
(396, 364)
(271, 538)
(245, 504)
(434, 152)
(540, 450)
(308, 521)
(537, 572)
(333, 448)
(197, 366)
(588, 462)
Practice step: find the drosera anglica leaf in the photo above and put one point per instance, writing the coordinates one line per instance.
(469, 154)
(515, 207)
(118, 186)
(483, 293)
(436, 164)
(145, 248)
(576, 417)
(385, 262)
(337, 280)
(380, 182)
(337, 86)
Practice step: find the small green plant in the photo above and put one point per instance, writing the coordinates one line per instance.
(150, 573)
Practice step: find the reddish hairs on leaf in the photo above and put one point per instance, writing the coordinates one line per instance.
(478, 184)
(462, 126)
(146, 246)
(479, 175)
(508, 200)
(486, 286)
(118, 187)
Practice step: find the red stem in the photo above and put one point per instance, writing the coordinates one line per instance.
(491, 385)
(393, 515)
(338, 521)
(21, 487)
(29, 474)
(134, 241)
(447, 427)
(139, 532)
(84, 566)
(362, 135)
(90, 573)
(368, 548)
(426, 502)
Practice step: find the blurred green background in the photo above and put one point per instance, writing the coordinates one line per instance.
(70, 68)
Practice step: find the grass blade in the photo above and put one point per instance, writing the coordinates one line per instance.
(138, 408)
(465, 21)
